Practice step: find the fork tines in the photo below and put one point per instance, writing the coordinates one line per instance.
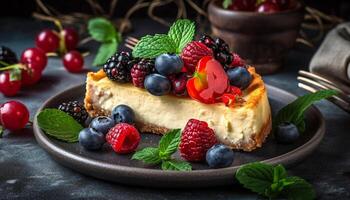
(131, 42)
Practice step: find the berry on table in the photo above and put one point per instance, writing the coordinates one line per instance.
(91, 139)
(123, 114)
(30, 75)
(178, 84)
(102, 124)
(7, 56)
(196, 139)
(47, 40)
(73, 61)
(192, 53)
(157, 84)
(123, 138)
(14, 115)
(267, 7)
(118, 66)
(74, 109)
(35, 56)
(287, 133)
(239, 77)
(167, 64)
(140, 70)
(71, 38)
(9, 87)
(219, 156)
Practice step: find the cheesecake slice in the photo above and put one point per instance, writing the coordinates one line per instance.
(243, 126)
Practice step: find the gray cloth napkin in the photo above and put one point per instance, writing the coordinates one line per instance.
(332, 59)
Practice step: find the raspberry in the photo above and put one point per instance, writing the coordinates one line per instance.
(140, 70)
(192, 53)
(74, 109)
(117, 67)
(7, 56)
(123, 138)
(178, 84)
(196, 139)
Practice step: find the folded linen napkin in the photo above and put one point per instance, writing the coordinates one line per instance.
(332, 59)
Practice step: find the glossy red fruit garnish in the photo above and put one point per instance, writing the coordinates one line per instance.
(243, 5)
(71, 38)
(30, 75)
(235, 90)
(73, 61)
(268, 7)
(209, 82)
(47, 40)
(196, 139)
(13, 115)
(7, 87)
(192, 53)
(230, 98)
(123, 138)
(178, 84)
(36, 57)
(282, 4)
(237, 60)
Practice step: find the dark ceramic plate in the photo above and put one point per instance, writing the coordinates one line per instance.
(105, 164)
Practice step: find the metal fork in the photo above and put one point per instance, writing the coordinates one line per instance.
(312, 83)
(131, 42)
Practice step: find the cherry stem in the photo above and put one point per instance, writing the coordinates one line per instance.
(51, 54)
(85, 53)
(14, 66)
(4, 63)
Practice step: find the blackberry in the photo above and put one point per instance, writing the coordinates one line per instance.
(117, 67)
(74, 109)
(140, 70)
(222, 45)
(209, 42)
(7, 56)
(224, 58)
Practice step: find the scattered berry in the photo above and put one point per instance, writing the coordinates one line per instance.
(219, 156)
(13, 115)
(36, 57)
(167, 64)
(7, 56)
(196, 139)
(47, 40)
(31, 75)
(123, 138)
(239, 77)
(74, 109)
(71, 38)
(157, 84)
(140, 70)
(192, 53)
(91, 139)
(287, 133)
(73, 61)
(102, 124)
(9, 87)
(178, 83)
(123, 114)
(117, 67)
(267, 7)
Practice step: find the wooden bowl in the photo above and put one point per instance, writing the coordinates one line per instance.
(260, 38)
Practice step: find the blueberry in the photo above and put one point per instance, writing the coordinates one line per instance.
(102, 124)
(219, 156)
(157, 84)
(239, 77)
(123, 113)
(167, 64)
(90, 139)
(286, 133)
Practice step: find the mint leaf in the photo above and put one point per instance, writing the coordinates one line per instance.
(182, 32)
(294, 112)
(279, 172)
(176, 165)
(59, 125)
(298, 189)
(148, 155)
(153, 46)
(226, 3)
(169, 143)
(105, 51)
(15, 74)
(102, 30)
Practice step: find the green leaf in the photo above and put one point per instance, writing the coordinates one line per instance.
(149, 155)
(15, 74)
(182, 32)
(102, 30)
(226, 3)
(279, 172)
(105, 51)
(169, 143)
(59, 125)
(176, 165)
(298, 189)
(294, 112)
(153, 46)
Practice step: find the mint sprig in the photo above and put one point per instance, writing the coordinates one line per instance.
(162, 154)
(294, 112)
(273, 182)
(180, 33)
(59, 125)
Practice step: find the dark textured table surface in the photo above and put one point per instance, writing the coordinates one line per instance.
(28, 172)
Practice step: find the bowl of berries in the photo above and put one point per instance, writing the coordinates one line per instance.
(261, 32)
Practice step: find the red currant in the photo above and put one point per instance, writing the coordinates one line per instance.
(8, 87)
(31, 75)
(14, 115)
(71, 38)
(34, 56)
(47, 40)
(268, 7)
(73, 61)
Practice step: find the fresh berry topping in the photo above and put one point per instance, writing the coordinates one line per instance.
(74, 109)
(7, 56)
(229, 99)
(30, 75)
(219, 156)
(117, 67)
(71, 38)
(243, 5)
(123, 138)
(123, 114)
(192, 53)
(196, 139)
(222, 46)
(157, 84)
(237, 60)
(102, 124)
(224, 58)
(267, 7)
(13, 115)
(73, 61)
(47, 40)
(236, 91)
(35, 56)
(209, 82)
(9, 87)
(287, 133)
(209, 42)
(140, 70)
(167, 64)
(91, 139)
(239, 77)
(178, 84)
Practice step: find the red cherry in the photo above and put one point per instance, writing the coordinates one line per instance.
(73, 61)
(268, 7)
(7, 87)
(47, 40)
(31, 75)
(282, 4)
(34, 56)
(71, 38)
(14, 115)
(243, 5)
